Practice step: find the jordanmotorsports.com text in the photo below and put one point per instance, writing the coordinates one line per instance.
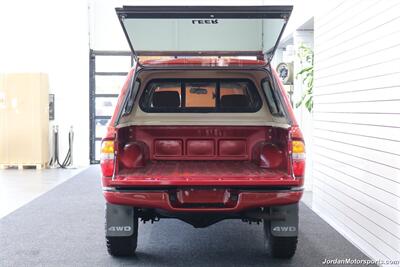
(350, 261)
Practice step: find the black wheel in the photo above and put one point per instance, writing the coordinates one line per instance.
(279, 247)
(123, 246)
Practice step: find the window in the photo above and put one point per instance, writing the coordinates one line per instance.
(211, 95)
(166, 95)
(271, 100)
(200, 94)
(234, 94)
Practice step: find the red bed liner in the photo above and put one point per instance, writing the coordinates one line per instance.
(199, 169)
(189, 173)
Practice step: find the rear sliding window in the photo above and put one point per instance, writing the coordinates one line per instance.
(200, 96)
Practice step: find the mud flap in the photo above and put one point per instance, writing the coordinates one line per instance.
(119, 220)
(289, 226)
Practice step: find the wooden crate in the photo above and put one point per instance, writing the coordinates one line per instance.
(24, 119)
(23, 166)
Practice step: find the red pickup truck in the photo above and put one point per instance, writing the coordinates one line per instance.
(206, 135)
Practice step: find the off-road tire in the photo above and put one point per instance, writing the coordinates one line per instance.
(279, 247)
(123, 246)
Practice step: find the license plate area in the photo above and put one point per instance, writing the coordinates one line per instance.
(203, 198)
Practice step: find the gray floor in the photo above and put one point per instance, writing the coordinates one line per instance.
(18, 187)
(64, 227)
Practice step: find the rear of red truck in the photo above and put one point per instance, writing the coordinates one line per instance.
(203, 137)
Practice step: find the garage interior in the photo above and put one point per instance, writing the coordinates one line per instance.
(52, 208)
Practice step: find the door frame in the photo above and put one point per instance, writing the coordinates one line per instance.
(93, 95)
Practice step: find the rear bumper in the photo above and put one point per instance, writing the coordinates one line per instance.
(161, 199)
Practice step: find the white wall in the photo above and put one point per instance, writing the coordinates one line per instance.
(52, 37)
(303, 10)
(357, 123)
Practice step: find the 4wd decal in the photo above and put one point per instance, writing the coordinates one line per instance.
(119, 228)
(284, 229)
(119, 220)
(289, 226)
(204, 21)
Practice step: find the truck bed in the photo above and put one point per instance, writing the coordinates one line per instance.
(201, 156)
(232, 173)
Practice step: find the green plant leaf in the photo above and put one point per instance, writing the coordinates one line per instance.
(306, 56)
(307, 69)
(298, 104)
(309, 103)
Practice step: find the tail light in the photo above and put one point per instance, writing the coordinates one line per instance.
(298, 153)
(107, 158)
(132, 156)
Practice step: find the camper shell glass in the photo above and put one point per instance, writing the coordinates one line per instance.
(200, 95)
(203, 30)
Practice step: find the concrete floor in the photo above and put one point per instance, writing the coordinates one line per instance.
(307, 198)
(18, 187)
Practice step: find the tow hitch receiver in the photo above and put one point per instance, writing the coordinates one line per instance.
(191, 197)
